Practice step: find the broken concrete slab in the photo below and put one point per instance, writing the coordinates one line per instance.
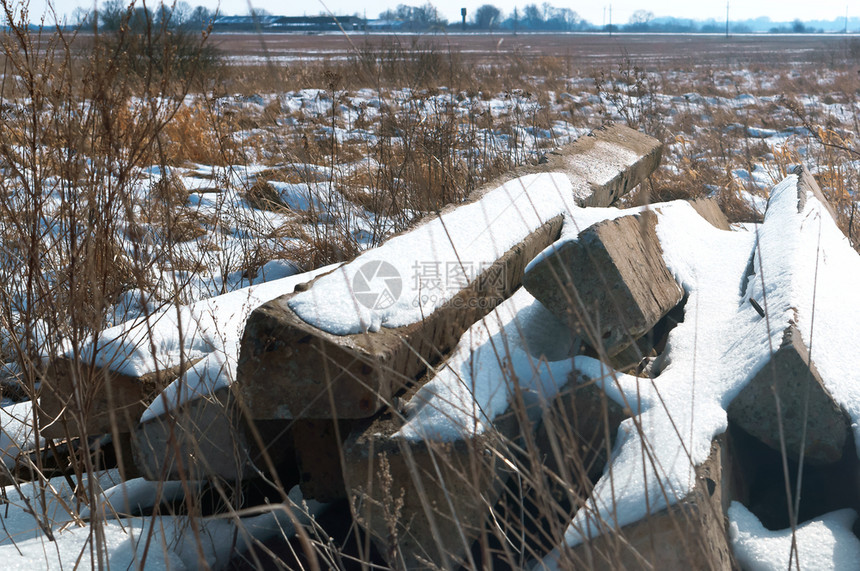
(455, 448)
(602, 166)
(201, 439)
(318, 449)
(209, 437)
(561, 459)
(607, 163)
(424, 502)
(690, 534)
(611, 283)
(79, 399)
(113, 377)
(787, 403)
(291, 369)
(447, 488)
(709, 209)
(576, 432)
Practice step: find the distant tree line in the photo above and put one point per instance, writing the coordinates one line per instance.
(113, 14)
(546, 17)
(489, 17)
(424, 17)
(163, 40)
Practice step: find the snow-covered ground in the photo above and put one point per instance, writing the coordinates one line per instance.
(128, 542)
(825, 542)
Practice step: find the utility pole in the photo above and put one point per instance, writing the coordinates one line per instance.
(727, 18)
(846, 18)
(610, 19)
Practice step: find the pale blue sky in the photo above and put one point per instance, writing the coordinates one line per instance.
(594, 11)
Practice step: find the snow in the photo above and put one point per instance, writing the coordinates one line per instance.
(823, 543)
(23, 506)
(613, 158)
(74, 549)
(155, 542)
(205, 334)
(137, 495)
(16, 431)
(429, 264)
(518, 342)
(162, 542)
(575, 222)
(304, 196)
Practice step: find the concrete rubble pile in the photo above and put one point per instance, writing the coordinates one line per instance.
(327, 411)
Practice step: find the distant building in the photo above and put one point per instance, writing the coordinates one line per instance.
(378, 25)
(288, 23)
(235, 23)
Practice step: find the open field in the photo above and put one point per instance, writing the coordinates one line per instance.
(148, 206)
(651, 50)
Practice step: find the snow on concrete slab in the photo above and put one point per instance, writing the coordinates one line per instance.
(445, 250)
(427, 266)
(823, 543)
(16, 431)
(807, 274)
(209, 330)
(614, 158)
(682, 409)
(807, 268)
(519, 341)
(163, 339)
(205, 333)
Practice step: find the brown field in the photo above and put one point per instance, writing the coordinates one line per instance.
(694, 50)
